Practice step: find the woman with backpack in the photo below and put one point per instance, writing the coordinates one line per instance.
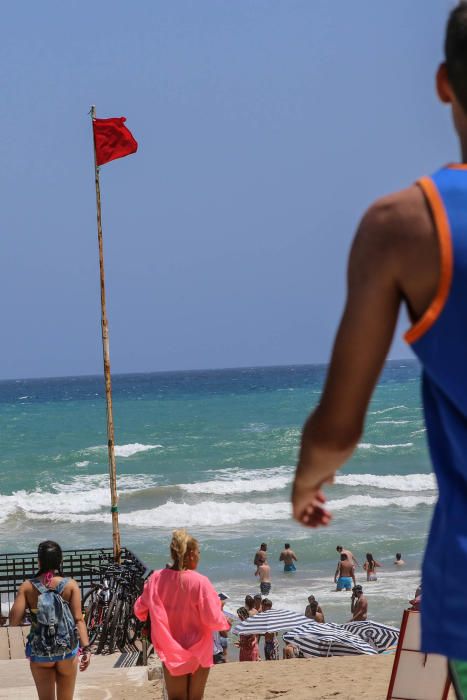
(185, 610)
(57, 626)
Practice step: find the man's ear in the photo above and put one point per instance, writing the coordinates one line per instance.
(443, 86)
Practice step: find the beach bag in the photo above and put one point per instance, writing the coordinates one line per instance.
(54, 633)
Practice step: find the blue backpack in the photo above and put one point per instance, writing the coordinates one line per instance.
(54, 633)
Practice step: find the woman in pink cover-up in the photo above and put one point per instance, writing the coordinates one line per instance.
(185, 610)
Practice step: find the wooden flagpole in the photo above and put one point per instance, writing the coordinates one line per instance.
(107, 377)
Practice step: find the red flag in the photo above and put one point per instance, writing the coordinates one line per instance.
(112, 139)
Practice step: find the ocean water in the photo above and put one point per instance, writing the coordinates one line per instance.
(215, 451)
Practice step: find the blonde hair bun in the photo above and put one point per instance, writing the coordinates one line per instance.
(182, 544)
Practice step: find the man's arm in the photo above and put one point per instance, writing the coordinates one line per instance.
(281, 558)
(331, 433)
(294, 556)
(336, 575)
(353, 575)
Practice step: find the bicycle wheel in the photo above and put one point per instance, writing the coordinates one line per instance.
(122, 631)
(132, 628)
(115, 625)
(104, 635)
(92, 613)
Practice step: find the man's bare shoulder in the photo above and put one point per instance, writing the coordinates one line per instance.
(398, 216)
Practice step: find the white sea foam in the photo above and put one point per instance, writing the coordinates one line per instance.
(82, 464)
(372, 446)
(213, 514)
(387, 410)
(394, 482)
(392, 422)
(170, 514)
(81, 495)
(234, 481)
(370, 502)
(125, 450)
(245, 484)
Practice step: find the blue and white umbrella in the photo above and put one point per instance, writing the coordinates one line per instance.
(270, 621)
(327, 639)
(379, 635)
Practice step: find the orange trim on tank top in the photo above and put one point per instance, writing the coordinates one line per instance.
(456, 166)
(445, 245)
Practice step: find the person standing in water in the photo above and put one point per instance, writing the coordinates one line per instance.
(370, 567)
(345, 574)
(264, 573)
(398, 560)
(186, 610)
(340, 550)
(410, 249)
(288, 557)
(53, 659)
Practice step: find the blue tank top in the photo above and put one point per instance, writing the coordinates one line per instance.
(439, 340)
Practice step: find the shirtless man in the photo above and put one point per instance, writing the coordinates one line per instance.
(398, 560)
(264, 573)
(350, 556)
(358, 604)
(345, 574)
(313, 613)
(288, 557)
(311, 605)
(257, 601)
(261, 551)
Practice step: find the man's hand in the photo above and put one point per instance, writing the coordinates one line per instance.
(308, 506)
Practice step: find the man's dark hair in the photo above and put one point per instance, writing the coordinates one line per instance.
(258, 596)
(287, 545)
(339, 548)
(263, 545)
(398, 555)
(455, 52)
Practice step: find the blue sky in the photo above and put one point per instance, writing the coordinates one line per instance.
(265, 129)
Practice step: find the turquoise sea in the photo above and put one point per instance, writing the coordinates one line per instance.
(215, 451)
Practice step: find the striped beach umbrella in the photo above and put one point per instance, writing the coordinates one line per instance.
(379, 635)
(315, 639)
(270, 621)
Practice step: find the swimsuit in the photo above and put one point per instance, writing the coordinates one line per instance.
(290, 567)
(344, 582)
(265, 587)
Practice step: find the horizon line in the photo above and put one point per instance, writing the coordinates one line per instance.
(193, 370)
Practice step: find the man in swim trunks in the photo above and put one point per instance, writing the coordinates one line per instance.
(410, 248)
(264, 573)
(345, 574)
(288, 557)
(358, 604)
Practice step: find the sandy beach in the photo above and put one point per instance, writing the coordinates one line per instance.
(347, 678)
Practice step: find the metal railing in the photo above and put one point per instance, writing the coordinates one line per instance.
(16, 567)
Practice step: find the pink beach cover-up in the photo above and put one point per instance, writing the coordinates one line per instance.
(185, 610)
